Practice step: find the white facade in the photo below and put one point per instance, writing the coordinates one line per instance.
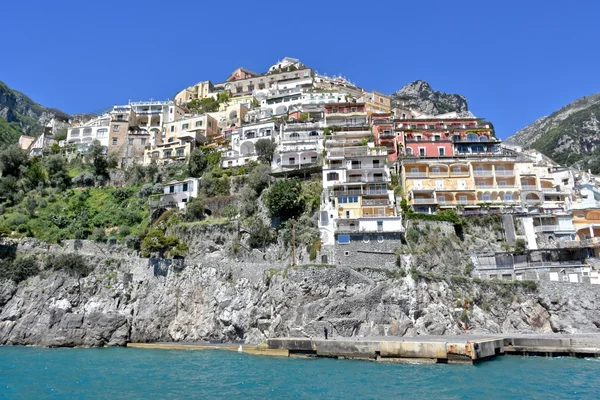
(95, 129)
(300, 144)
(178, 193)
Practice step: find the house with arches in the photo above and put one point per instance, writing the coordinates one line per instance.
(300, 145)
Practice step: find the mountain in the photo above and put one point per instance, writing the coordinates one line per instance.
(419, 95)
(569, 136)
(19, 115)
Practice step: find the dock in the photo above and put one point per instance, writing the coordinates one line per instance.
(460, 349)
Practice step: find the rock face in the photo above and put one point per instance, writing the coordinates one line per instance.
(420, 96)
(569, 136)
(21, 115)
(128, 298)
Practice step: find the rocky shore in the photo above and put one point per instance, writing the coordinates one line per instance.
(131, 299)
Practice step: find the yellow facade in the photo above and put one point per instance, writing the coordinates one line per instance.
(200, 90)
(469, 182)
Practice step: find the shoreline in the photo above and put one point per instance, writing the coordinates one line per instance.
(463, 349)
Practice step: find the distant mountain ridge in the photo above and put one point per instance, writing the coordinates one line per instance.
(570, 135)
(420, 96)
(20, 115)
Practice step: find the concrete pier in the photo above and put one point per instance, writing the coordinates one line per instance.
(462, 349)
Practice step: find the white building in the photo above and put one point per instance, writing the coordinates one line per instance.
(178, 193)
(243, 141)
(300, 145)
(94, 129)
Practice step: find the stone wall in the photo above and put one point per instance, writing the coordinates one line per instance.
(368, 250)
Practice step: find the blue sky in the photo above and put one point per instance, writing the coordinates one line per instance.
(515, 61)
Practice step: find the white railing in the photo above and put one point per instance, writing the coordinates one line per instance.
(481, 186)
(483, 173)
(529, 187)
(424, 201)
(549, 190)
(506, 172)
(416, 174)
(546, 228)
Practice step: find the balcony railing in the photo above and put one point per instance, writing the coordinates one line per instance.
(438, 173)
(482, 186)
(550, 190)
(505, 172)
(483, 173)
(375, 202)
(367, 180)
(529, 187)
(424, 201)
(416, 174)
(359, 192)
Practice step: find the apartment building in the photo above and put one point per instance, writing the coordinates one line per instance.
(300, 145)
(180, 137)
(97, 128)
(275, 79)
(376, 102)
(243, 141)
(200, 90)
(385, 134)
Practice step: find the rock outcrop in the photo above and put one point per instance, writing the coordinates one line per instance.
(127, 298)
(420, 96)
(569, 136)
(20, 115)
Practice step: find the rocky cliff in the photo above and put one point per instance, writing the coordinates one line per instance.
(20, 115)
(212, 296)
(569, 136)
(420, 96)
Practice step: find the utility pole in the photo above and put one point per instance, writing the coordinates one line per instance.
(293, 242)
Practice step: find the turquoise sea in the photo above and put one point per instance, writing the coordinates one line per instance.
(120, 373)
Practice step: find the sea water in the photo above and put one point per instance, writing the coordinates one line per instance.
(118, 373)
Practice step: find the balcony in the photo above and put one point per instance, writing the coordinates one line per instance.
(416, 174)
(424, 201)
(505, 172)
(550, 190)
(359, 192)
(486, 172)
(375, 202)
(368, 180)
(553, 228)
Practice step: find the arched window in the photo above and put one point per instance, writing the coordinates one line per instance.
(294, 134)
(472, 137)
(483, 138)
(314, 133)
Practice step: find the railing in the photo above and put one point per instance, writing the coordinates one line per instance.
(550, 190)
(346, 228)
(483, 173)
(367, 180)
(438, 173)
(485, 186)
(546, 228)
(506, 172)
(358, 192)
(375, 202)
(466, 202)
(529, 187)
(424, 201)
(416, 174)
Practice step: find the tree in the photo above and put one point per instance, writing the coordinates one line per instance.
(265, 148)
(97, 156)
(12, 159)
(259, 178)
(194, 210)
(35, 174)
(197, 163)
(112, 160)
(284, 200)
(58, 175)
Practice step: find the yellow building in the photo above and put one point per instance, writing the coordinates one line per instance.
(200, 90)
(431, 184)
(376, 103)
(587, 224)
(197, 129)
(169, 152)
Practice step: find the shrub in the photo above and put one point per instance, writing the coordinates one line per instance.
(194, 210)
(19, 269)
(98, 235)
(84, 179)
(16, 220)
(73, 264)
(132, 242)
(260, 233)
(197, 163)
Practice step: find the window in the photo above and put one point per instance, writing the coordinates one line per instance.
(441, 151)
(441, 199)
(462, 198)
(199, 123)
(502, 183)
(435, 170)
(436, 138)
(333, 176)
(376, 164)
(409, 151)
(379, 226)
(431, 126)
(130, 141)
(306, 73)
(167, 154)
(413, 127)
(209, 124)
(486, 197)
(422, 151)
(508, 197)
(102, 133)
(114, 142)
(185, 126)
(353, 109)
(171, 189)
(456, 170)
(171, 110)
(172, 128)
(456, 138)
(334, 110)
(143, 142)
(115, 128)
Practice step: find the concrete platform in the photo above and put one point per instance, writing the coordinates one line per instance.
(461, 349)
